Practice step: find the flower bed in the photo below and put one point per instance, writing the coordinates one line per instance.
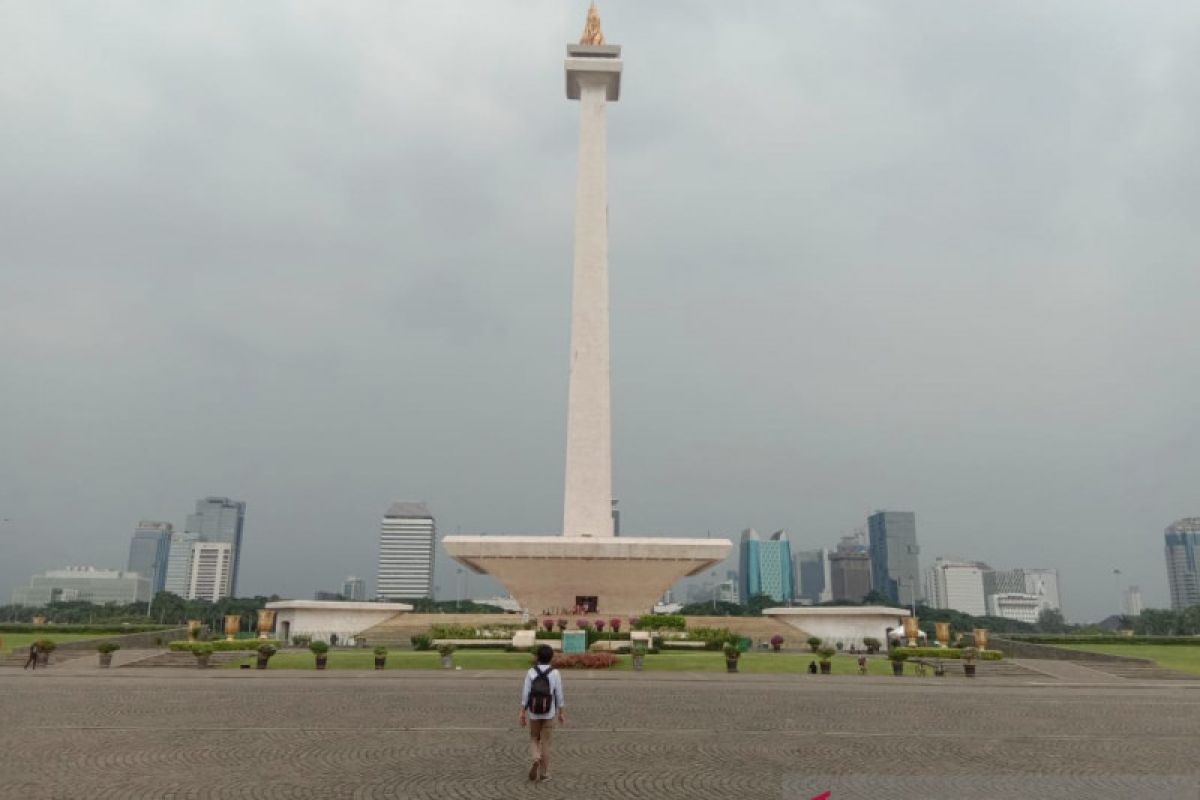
(583, 660)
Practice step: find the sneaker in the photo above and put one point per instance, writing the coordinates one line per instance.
(546, 777)
(533, 772)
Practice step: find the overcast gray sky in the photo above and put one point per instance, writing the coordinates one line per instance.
(927, 256)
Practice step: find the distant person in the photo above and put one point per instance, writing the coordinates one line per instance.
(862, 665)
(812, 668)
(33, 656)
(541, 701)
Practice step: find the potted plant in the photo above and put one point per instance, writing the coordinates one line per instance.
(193, 629)
(615, 624)
(106, 649)
(968, 656)
(633, 622)
(45, 648)
(561, 624)
(872, 644)
(897, 658)
(202, 652)
(380, 657)
(814, 642)
(599, 626)
(732, 654)
(776, 642)
(265, 651)
(321, 651)
(548, 624)
(638, 651)
(446, 651)
(826, 663)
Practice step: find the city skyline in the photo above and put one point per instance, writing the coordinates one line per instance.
(876, 282)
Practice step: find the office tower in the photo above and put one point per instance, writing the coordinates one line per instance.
(219, 519)
(148, 550)
(406, 545)
(1021, 606)
(812, 576)
(210, 572)
(1131, 605)
(1182, 541)
(354, 588)
(895, 567)
(87, 584)
(956, 585)
(179, 562)
(850, 575)
(1041, 583)
(766, 566)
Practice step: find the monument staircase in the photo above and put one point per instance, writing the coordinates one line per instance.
(185, 660)
(18, 657)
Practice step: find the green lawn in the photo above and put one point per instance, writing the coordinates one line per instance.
(1183, 657)
(22, 640)
(493, 659)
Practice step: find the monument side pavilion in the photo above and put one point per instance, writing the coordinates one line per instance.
(587, 567)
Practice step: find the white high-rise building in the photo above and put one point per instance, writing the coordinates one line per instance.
(956, 585)
(210, 571)
(407, 537)
(1040, 583)
(354, 589)
(1131, 602)
(179, 563)
(1015, 605)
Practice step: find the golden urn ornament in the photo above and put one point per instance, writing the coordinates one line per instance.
(193, 629)
(266, 621)
(911, 631)
(981, 635)
(233, 624)
(943, 633)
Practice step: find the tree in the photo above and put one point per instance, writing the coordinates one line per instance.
(1051, 620)
(876, 598)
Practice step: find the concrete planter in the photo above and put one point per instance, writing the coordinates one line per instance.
(826, 667)
(969, 670)
(262, 662)
(447, 662)
(731, 665)
(380, 661)
(322, 659)
(43, 659)
(202, 660)
(637, 663)
(105, 659)
(897, 668)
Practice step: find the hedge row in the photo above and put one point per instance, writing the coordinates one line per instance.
(1100, 638)
(583, 660)
(661, 622)
(99, 630)
(221, 645)
(945, 652)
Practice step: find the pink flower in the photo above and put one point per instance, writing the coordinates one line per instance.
(600, 625)
(615, 624)
(548, 624)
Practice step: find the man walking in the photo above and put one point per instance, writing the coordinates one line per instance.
(33, 656)
(541, 701)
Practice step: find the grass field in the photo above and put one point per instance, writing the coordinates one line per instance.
(492, 659)
(1185, 658)
(8, 641)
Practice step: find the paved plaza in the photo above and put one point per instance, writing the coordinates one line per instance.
(234, 734)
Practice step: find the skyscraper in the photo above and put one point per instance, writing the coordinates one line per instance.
(1131, 605)
(850, 575)
(406, 546)
(219, 519)
(766, 566)
(1039, 583)
(957, 585)
(1182, 540)
(354, 588)
(895, 566)
(210, 571)
(179, 562)
(812, 577)
(148, 550)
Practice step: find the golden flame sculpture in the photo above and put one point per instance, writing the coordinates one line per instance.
(233, 624)
(981, 638)
(592, 34)
(943, 633)
(266, 621)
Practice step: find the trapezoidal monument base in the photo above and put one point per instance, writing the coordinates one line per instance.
(609, 575)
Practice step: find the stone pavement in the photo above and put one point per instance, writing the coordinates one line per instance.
(235, 734)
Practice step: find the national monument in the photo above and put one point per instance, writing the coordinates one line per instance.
(587, 566)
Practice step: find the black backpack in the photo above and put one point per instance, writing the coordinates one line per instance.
(541, 698)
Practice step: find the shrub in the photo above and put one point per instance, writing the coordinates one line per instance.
(776, 641)
(713, 638)
(267, 650)
(898, 655)
(583, 660)
(46, 646)
(826, 653)
(108, 647)
(222, 646)
(872, 644)
(634, 621)
(662, 622)
(947, 652)
(380, 651)
(813, 643)
(446, 650)
(599, 626)
(555, 635)
(318, 647)
(731, 651)
(421, 641)
(202, 649)
(302, 640)
(453, 632)
(548, 625)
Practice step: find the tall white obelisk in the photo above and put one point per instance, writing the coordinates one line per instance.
(594, 79)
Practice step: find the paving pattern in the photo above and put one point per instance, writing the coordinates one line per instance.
(234, 734)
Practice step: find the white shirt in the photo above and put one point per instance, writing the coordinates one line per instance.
(556, 693)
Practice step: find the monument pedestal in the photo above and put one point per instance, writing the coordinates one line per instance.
(549, 575)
